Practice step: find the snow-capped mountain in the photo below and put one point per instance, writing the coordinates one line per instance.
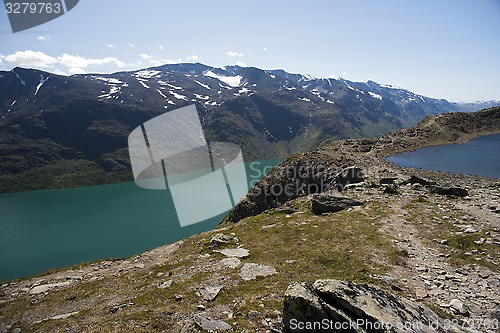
(51, 123)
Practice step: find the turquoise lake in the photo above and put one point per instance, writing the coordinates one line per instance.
(46, 229)
(480, 156)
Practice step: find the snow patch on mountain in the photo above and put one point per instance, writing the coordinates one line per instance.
(178, 96)
(111, 80)
(377, 96)
(233, 81)
(203, 85)
(144, 85)
(22, 81)
(40, 84)
(161, 93)
(146, 74)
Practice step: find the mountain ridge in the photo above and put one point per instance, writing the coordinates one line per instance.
(51, 124)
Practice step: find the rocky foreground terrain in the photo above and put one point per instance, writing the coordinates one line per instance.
(414, 250)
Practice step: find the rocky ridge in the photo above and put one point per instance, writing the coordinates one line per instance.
(429, 239)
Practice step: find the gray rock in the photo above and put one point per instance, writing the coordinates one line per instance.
(165, 284)
(362, 307)
(350, 175)
(235, 253)
(219, 240)
(209, 293)
(417, 180)
(449, 191)
(391, 189)
(211, 324)
(230, 262)
(325, 203)
(46, 287)
(254, 315)
(250, 271)
(4, 328)
(459, 307)
(16, 330)
(388, 180)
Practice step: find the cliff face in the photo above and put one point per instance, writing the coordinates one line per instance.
(396, 242)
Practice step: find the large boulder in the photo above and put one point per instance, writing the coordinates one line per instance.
(449, 191)
(339, 306)
(327, 203)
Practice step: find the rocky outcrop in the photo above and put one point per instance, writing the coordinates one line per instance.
(328, 203)
(338, 306)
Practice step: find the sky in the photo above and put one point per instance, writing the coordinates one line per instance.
(438, 48)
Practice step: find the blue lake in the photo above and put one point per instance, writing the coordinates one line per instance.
(42, 230)
(480, 156)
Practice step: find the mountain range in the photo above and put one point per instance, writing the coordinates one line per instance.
(60, 131)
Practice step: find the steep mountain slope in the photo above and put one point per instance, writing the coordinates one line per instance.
(58, 131)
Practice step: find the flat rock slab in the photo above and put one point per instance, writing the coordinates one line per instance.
(46, 287)
(209, 293)
(367, 307)
(327, 203)
(250, 271)
(229, 262)
(235, 253)
(211, 324)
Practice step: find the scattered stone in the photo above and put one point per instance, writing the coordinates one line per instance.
(421, 294)
(210, 324)
(336, 301)
(250, 271)
(417, 180)
(484, 274)
(178, 297)
(387, 181)
(139, 265)
(4, 328)
(56, 317)
(235, 253)
(209, 293)
(470, 230)
(230, 262)
(391, 189)
(219, 240)
(459, 307)
(201, 307)
(16, 330)
(165, 284)
(326, 203)
(254, 315)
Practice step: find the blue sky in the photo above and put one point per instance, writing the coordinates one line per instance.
(438, 48)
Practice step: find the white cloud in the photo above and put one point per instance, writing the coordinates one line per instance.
(155, 61)
(74, 63)
(241, 64)
(160, 47)
(131, 45)
(1, 59)
(30, 58)
(145, 56)
(76, 70)
(234, 54)
(111, 46)
(264, 48)
(81, 62)
(43, 38)
(194, 57)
